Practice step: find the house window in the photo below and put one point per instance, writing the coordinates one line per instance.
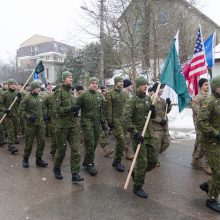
(47, 73)
(34, 50)
(163, 18)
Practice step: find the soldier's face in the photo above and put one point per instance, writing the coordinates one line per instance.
(205, 87)
(36, 90)
(93, 85)
(68, 80)
(218, 90)
(143, 89)
(130, 88)
(160, 91)
(5, 86)
(12, 86)
(119, 84)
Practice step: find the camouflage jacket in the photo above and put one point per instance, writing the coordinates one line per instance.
(91, 104)
(49, 102)
(32, 105)
(64, 100)
(208, 119)
(135, 115)
(115, 105)
(8, 98)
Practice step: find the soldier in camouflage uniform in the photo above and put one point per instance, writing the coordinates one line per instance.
(12, 118)
(136, 111)
(208, 122)
(92, 115)
(160, 123)
(31, 108)
(196, 104)
(115, 105)
(66, 128)
(2, 142)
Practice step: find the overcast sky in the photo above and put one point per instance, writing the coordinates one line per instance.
(20, 19)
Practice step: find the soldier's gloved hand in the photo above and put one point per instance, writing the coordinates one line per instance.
(75, 110)
(104, 127)
(168, 101)
(217, 137)
(32, 118)
(111, 125)
(6, 111)
(153, 109)
(139, 138)
(163, 122)
(19, 95)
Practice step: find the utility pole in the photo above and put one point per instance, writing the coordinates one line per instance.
(101, 74)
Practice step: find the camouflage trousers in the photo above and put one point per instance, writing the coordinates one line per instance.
(1, 131)
(103, 140)
(53, 135)
(12, 126)
(32, 132)
(91, 135)
(162, 140)
(71, 136)
(119, 134)
(212, 153)
(146, 160)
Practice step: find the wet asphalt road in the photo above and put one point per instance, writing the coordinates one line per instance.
(34, 193)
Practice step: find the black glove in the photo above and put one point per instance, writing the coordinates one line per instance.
(168, 101)
(153, 109)
(104, 128)
(19, 95)
(32, 118)
(217, 137)
(163, 122)
(111, 125)
(7, 111)
(139, 138)
(46, 118)
(75, 110)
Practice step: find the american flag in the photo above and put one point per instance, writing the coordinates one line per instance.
(197, 65)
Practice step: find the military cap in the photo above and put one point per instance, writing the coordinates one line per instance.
(140, 81)
(117, 79)
(92, 79)
(65, 74)
(12, 81)
(34, 85)
(215, 83)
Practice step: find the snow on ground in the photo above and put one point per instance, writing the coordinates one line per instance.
(181, 124)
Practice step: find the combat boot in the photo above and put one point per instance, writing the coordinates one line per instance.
(40, 162)
(119, 167)
(91, 169)
(140, 192)
(57, 173)
(107, 151)
(196, 164)
(13, 149)
(25, 163)
(76, 177)
(16, 140)
(204, 187)
(213, 204)
(207, 170)
(128, 154)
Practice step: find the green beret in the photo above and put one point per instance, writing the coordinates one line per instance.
(215, 83)
(65, 74)
(118, 79)
(12, 81)
(34, 85)
(4, 83)
(92, 79)
(140, 81)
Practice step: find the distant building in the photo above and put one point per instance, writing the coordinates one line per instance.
(216, 67)
(38, 47)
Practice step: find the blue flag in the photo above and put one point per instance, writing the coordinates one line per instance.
(209, 45)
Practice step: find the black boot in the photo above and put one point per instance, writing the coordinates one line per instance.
(140, 192)
(204, 187)
(57, 173)
(91, 169)
(41, 163)
(119, 167)
(25, 163)
(13, 149)
(76, 177)
(213, 204)
(16, 140)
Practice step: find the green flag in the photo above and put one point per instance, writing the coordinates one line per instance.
(172, 76)
(39, 68)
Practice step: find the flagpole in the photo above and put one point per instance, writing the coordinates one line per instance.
(17, 97)
(139, 145)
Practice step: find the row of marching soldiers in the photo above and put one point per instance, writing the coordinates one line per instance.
(120, 110)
